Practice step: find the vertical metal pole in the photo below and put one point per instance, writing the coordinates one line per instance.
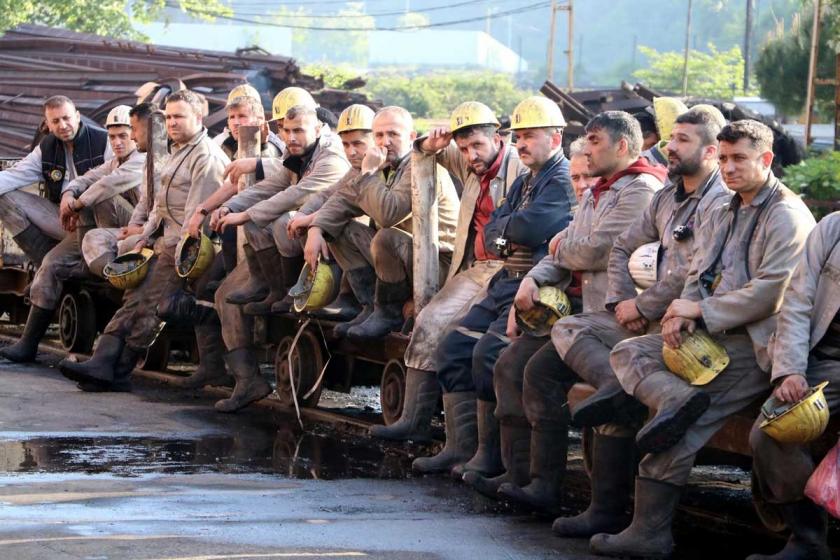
(571, 58)
(424, 228)
(812, 71)
(551, 31)
(747, 34)
(837, 104)
(248, 147)
(156, 154)
(685, 56)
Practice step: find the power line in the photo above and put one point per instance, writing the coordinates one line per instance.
(353, 15)
(495, 15)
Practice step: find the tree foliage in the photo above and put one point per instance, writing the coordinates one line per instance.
(710, 74)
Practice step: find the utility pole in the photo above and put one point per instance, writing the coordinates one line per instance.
(570, 83)
(568, 7)
(747, 33)
(551, 31)
(812, 71)
(685, 56)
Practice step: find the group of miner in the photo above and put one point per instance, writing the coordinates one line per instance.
(736, 266)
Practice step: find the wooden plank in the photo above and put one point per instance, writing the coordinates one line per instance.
(424, 222)
(248, 147)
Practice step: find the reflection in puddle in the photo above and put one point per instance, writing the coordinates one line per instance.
(290, 452)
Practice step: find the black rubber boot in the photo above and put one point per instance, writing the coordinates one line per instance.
(649, 535)
(34, 243)
(808, 525)
(100, 367)
(250, 386)
(211, 363)
(363, 282)
(422, 392)
(271, 265)
(548, 469)
(515, 438)
(613, 465)
(488, 457)
(678, 406)
(461, 436)
(26, 349)
(256, 289)
(291, 271)
(387, 311)
(122, 374)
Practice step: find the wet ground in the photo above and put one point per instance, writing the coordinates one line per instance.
(157, 474)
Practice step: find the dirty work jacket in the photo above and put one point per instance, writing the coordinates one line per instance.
(781, 228)
(108, 180)
(192, 173)
(285, 190)
(586, 244)
(669, 209)
(344, 187)
(452, 160)
(811, 301)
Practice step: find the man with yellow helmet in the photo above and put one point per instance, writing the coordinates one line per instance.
(472, 150)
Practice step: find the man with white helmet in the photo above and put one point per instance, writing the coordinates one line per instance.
(102, 197)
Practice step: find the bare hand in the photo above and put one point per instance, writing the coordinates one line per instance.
(299, 224)
(684, 308)
(673, 328)
(374, 158)
(66, 213)
(438, 139)
(512, 330)
(233, 219)
(626, 311)
(639, 326)
(791, 389)
(128, 231)
(527, 294)
(240, 167)
(315, 247)
(194, 225)
(140, 245)
(216, 217)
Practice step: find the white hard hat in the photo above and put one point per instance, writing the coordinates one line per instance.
(643, 263)
(118, 116)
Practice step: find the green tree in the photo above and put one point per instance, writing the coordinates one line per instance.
(710, 74)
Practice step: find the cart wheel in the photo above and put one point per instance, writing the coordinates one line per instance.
(586, 440)
(392, 391)
(307, 362)
(157, 356)
(77, 322)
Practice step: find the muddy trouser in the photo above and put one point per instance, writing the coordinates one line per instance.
(509, 372)
(20, 209)
(136, 321)
(351, 249)
(237, 327)
(446, 308)
(64, 261)
(738, 386)
(780, 471)
(229, 248)
(392, 250)
(286, 246)
(102, 242)
(467, 354)
(258, 237)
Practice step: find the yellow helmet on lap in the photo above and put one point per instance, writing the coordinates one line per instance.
(193, 256)
(128, 271)
(553, 304)
(698, 360)
(316, 289)
(799, 422)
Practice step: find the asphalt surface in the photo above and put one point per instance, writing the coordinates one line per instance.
(157, 474)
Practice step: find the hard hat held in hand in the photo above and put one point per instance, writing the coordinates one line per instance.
(316, 289)
(665, 113)
(355, 117)
(193, 256)
(243, 90)
(698, 360)
(128, 271)
(799, 422)
(537, 112)
(288, 98)
(471, 113)
(643, 264)
(118, 116)
(553, 304)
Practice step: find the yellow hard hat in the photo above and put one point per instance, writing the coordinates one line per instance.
(193, 256)
(316, 290)
(288, 98)
(799, 422)
(537, 112)
(698, 360)
(118, 116)
(643, 264)
(665, 112)
(355, 117)
(471, 113)
(128, 271)
(553, 304)
(243, 90)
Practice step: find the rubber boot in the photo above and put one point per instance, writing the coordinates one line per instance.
(34, 243)
(122, 374)
(678, 406)
(649, 535)
(211, 363)
(488, 457)
(256, 289)
(590, 359)
(387, 311)
(26, 349)
(548, 469)
(362, 281)
(250, 386)
(100, 367)
(459, 414)
(808, 525)
(271, 265)
(184, 308)
(291, 271)
(613, 465)
(515, 438)
(343, 308)
(422, 392)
